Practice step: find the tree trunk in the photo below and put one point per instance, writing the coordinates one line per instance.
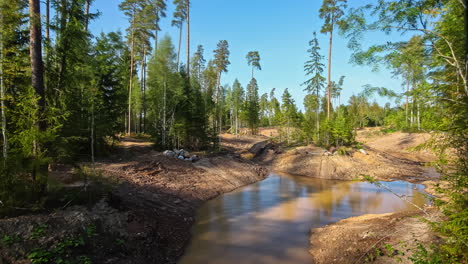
(188, 39)
(37, 67)
(132, 54)
(63, 43)
(142, 89)
(465, 3)
(419, 119)
(144, 94)
(164, 114)
(318, 116)
(92, 141)
(180, 43)
(412, 107)
(406, 105)
(2, 95)
(47, 20)
(156, 30)
(329, 73)
(37, 81)
(87, 15)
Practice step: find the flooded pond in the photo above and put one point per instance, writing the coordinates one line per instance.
(269, 221)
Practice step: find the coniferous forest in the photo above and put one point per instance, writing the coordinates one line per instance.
(71, 98)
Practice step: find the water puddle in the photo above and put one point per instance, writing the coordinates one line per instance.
(269, 222)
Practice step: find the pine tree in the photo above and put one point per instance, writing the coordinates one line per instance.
(180, 15)
(314, 69)
(331, 11)
(289, 111)
(237, 102)
(253, 59)
(252, 107)
(221, 62)
(158, 11)
(198, 64)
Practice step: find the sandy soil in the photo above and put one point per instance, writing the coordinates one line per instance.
(398, 144)
(382, 238)
(387, 157)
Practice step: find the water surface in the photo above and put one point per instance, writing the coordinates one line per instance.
(269, 221)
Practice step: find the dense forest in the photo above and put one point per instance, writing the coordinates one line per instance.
(67, 96)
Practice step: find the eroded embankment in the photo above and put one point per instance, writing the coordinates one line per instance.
(387, 157)
(146, 218)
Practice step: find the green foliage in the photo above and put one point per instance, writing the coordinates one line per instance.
(253, 59)
(10, 240)
(60, 252)
(251, 106)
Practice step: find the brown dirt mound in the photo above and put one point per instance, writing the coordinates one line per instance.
(383, 238)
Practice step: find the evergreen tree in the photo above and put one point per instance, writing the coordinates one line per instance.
(331, 11)
(252, 106)
(198, 63)
(237, 102)
(314, 69)
(180, 15)
(289, 110)
(220, 62)
(253, 59)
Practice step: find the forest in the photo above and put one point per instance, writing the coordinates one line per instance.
(68, 96)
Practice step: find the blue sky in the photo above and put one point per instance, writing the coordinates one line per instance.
(279, 30)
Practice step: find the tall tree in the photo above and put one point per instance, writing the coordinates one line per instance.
(187, 10)
(2, 90)
(313, 68)
(253, 59)
(37, 80)
(408, 61)
(289, 112)
(180, 15)
(237, 101)
(158, 9)
(198, 63)
(131, 9)
(252, 106)
(221, 62)
(331, 11)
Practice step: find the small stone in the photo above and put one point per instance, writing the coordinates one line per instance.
(363, 152)
(169, 153)
(194, 158)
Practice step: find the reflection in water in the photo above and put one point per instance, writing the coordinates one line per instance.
(269, 222)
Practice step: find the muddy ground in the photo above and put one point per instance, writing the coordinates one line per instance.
(147, 214)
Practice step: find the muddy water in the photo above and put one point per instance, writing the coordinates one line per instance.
(269, 222)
